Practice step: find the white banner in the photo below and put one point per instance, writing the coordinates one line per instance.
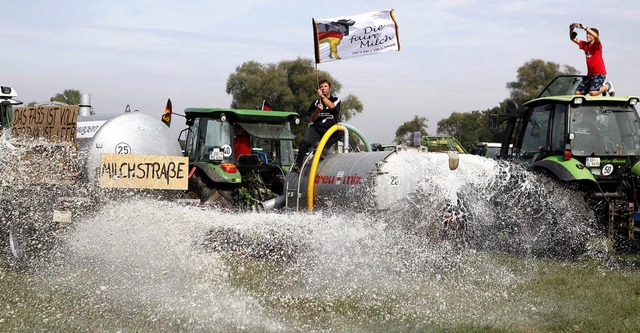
(356, 35)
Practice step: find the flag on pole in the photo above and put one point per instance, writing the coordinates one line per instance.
(356, 35)
(166, 117)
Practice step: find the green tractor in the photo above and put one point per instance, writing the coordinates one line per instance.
(588, 143)
(238, 158)
(440, 143)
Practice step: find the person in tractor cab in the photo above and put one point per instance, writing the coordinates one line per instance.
(241, 141)
(594, 83)
(324, 113)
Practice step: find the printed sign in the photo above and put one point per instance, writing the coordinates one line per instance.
(144, 171)
(87, 129)
(607, 170)
(51, 122)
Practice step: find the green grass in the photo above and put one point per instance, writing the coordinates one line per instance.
(530, 296)
(28, 304)
(547, 296)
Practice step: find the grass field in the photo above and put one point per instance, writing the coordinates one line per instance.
(490, 294)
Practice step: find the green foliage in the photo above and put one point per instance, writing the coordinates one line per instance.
(289, 85)
(464, 127)
(472, 127)
(69, 96)
(404, 133)
(533, 76)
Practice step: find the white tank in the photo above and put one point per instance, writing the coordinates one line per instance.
(130, 133)
(367, 180)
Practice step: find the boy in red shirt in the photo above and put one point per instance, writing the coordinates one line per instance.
(593, 83)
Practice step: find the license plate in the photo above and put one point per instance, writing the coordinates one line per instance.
(216, 155)
(593, 162)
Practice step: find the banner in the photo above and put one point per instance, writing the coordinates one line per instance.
(354, 36)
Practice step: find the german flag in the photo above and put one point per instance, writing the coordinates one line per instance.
(166, 117)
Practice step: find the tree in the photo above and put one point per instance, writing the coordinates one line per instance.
(464, 127)
(533, 76)
(289, 85)
(404, 133)
(473, 127)
(69, 96)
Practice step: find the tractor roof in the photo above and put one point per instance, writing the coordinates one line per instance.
(240, 115)
(586, 99)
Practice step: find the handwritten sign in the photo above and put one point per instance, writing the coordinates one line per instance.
(51, 122)
(144, 171)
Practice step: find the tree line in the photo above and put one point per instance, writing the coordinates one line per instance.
(291, 85)
(473, 126)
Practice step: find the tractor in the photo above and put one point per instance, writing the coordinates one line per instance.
(588, 143)
(238, 158)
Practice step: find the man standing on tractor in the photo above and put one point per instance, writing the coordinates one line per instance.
(324, 113)
(594, 83)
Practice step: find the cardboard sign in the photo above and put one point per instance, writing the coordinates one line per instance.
(144, 171)
(51, 122)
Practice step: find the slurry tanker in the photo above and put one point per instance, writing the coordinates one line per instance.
(259, 177)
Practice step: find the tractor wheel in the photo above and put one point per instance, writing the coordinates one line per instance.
(201, 187)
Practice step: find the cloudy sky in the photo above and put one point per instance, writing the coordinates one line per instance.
(456, 55)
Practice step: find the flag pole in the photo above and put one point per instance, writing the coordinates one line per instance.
(316, 49)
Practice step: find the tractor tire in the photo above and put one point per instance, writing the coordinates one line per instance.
(209, 193)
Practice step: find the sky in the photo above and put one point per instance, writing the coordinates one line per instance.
(455, 55)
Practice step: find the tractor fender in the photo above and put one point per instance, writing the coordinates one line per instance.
(566, 170)
(636, 169)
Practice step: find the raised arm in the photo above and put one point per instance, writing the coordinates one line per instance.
(572, 34)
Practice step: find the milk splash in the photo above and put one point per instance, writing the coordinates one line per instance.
(429, 260)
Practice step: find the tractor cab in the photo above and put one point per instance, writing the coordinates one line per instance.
(237, 153)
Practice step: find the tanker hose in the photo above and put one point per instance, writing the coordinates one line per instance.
(277, 202)
(316, 157)
(366, 143)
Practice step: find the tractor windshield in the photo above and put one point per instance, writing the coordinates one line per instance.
(562, 85)
(601, 130)
(210, 141)
(273, 143)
